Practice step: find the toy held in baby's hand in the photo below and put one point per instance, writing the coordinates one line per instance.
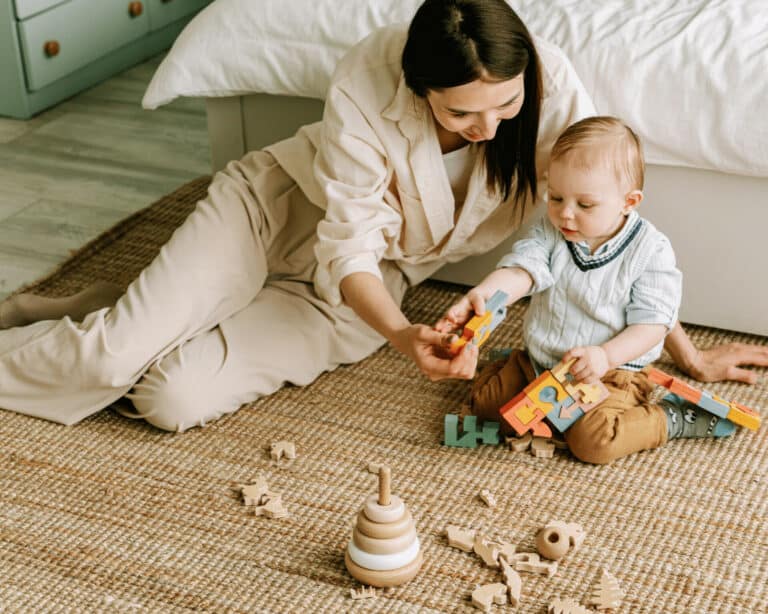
(554, 395)
(479, 328)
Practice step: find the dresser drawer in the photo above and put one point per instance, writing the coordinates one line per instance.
(26, 8)
(71, 35)
(163, 12)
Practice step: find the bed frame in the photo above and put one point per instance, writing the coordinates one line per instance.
(717, 222)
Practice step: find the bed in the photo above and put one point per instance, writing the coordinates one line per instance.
(688, 76)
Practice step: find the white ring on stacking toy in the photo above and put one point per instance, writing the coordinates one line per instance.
(383, 562)
(387, 545)
(384, 513)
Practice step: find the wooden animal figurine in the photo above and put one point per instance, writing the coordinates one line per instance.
(487, 594)
(384, 550)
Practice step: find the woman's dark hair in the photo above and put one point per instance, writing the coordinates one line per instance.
(453, 42)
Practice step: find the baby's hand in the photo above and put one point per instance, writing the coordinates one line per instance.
(461, 312)
(591, 363)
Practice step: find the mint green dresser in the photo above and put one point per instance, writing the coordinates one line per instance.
(52, 49)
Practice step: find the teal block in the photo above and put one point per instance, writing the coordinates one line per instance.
(488, 433)
(491, 433)
(499, 353)
(468, 439)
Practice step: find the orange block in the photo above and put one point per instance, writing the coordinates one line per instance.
(659, 377)
(471, 329)
(522, 414)
(684, 390)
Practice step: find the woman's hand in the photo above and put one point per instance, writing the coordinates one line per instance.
(428, 348)
(724, 362)
(591, 363)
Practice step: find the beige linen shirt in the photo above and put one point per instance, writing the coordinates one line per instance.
(375, 165)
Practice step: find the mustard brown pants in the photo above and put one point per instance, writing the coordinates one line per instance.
(624, 423)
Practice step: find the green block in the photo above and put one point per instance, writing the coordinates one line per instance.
(471, 433)
(491, 433)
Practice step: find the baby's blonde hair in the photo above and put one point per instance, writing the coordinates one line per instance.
(615, 142)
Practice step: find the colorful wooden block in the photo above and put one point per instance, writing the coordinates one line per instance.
(561, 371)
(479, 327)
(714, 405)
(563, 419)
(736, 413)
(490, 434)
(471, 433)
(585, 396)
(555, 396)
(744, 416)
(524, 415)
(556, 393)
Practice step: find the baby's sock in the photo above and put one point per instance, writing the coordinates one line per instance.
(684, 419)
(24, 309)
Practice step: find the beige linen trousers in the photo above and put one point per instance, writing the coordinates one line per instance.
(225, 313)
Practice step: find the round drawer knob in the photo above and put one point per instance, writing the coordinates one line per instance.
(51, 48)
(135, 9)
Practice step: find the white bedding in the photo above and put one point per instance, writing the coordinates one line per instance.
(691, 76)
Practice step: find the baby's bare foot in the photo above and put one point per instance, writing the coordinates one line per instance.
(24, 309)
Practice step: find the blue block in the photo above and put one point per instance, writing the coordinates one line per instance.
(712, 406)
(497, 302)
(563, 424)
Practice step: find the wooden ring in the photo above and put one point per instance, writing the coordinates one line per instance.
(384, 531)
(383, 513)
(389, 545)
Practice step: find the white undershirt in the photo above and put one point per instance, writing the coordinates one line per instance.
(458, 166)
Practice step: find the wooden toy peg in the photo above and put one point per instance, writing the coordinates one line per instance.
(385, 485)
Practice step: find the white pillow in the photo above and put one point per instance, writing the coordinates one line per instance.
(274, 46)
(688, 76)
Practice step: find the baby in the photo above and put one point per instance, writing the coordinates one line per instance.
(604, 290)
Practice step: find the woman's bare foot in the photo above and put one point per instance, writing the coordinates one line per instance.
(24, 309)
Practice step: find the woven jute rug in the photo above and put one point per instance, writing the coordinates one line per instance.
(115, 515)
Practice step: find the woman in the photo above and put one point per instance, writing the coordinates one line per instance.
(299, 257)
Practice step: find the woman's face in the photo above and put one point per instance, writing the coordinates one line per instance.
(474, 110)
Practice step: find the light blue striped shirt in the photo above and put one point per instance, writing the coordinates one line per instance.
(579, 298)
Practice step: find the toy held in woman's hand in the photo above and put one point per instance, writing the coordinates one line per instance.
(479, 328)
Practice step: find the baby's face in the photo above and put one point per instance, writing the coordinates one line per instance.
(586, 201)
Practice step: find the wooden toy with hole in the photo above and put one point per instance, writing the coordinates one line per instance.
(554, 395)
(479, 327)
(736, 413)
(384, 550)
(558, 538)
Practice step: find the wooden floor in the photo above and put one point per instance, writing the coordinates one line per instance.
(77, 169)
